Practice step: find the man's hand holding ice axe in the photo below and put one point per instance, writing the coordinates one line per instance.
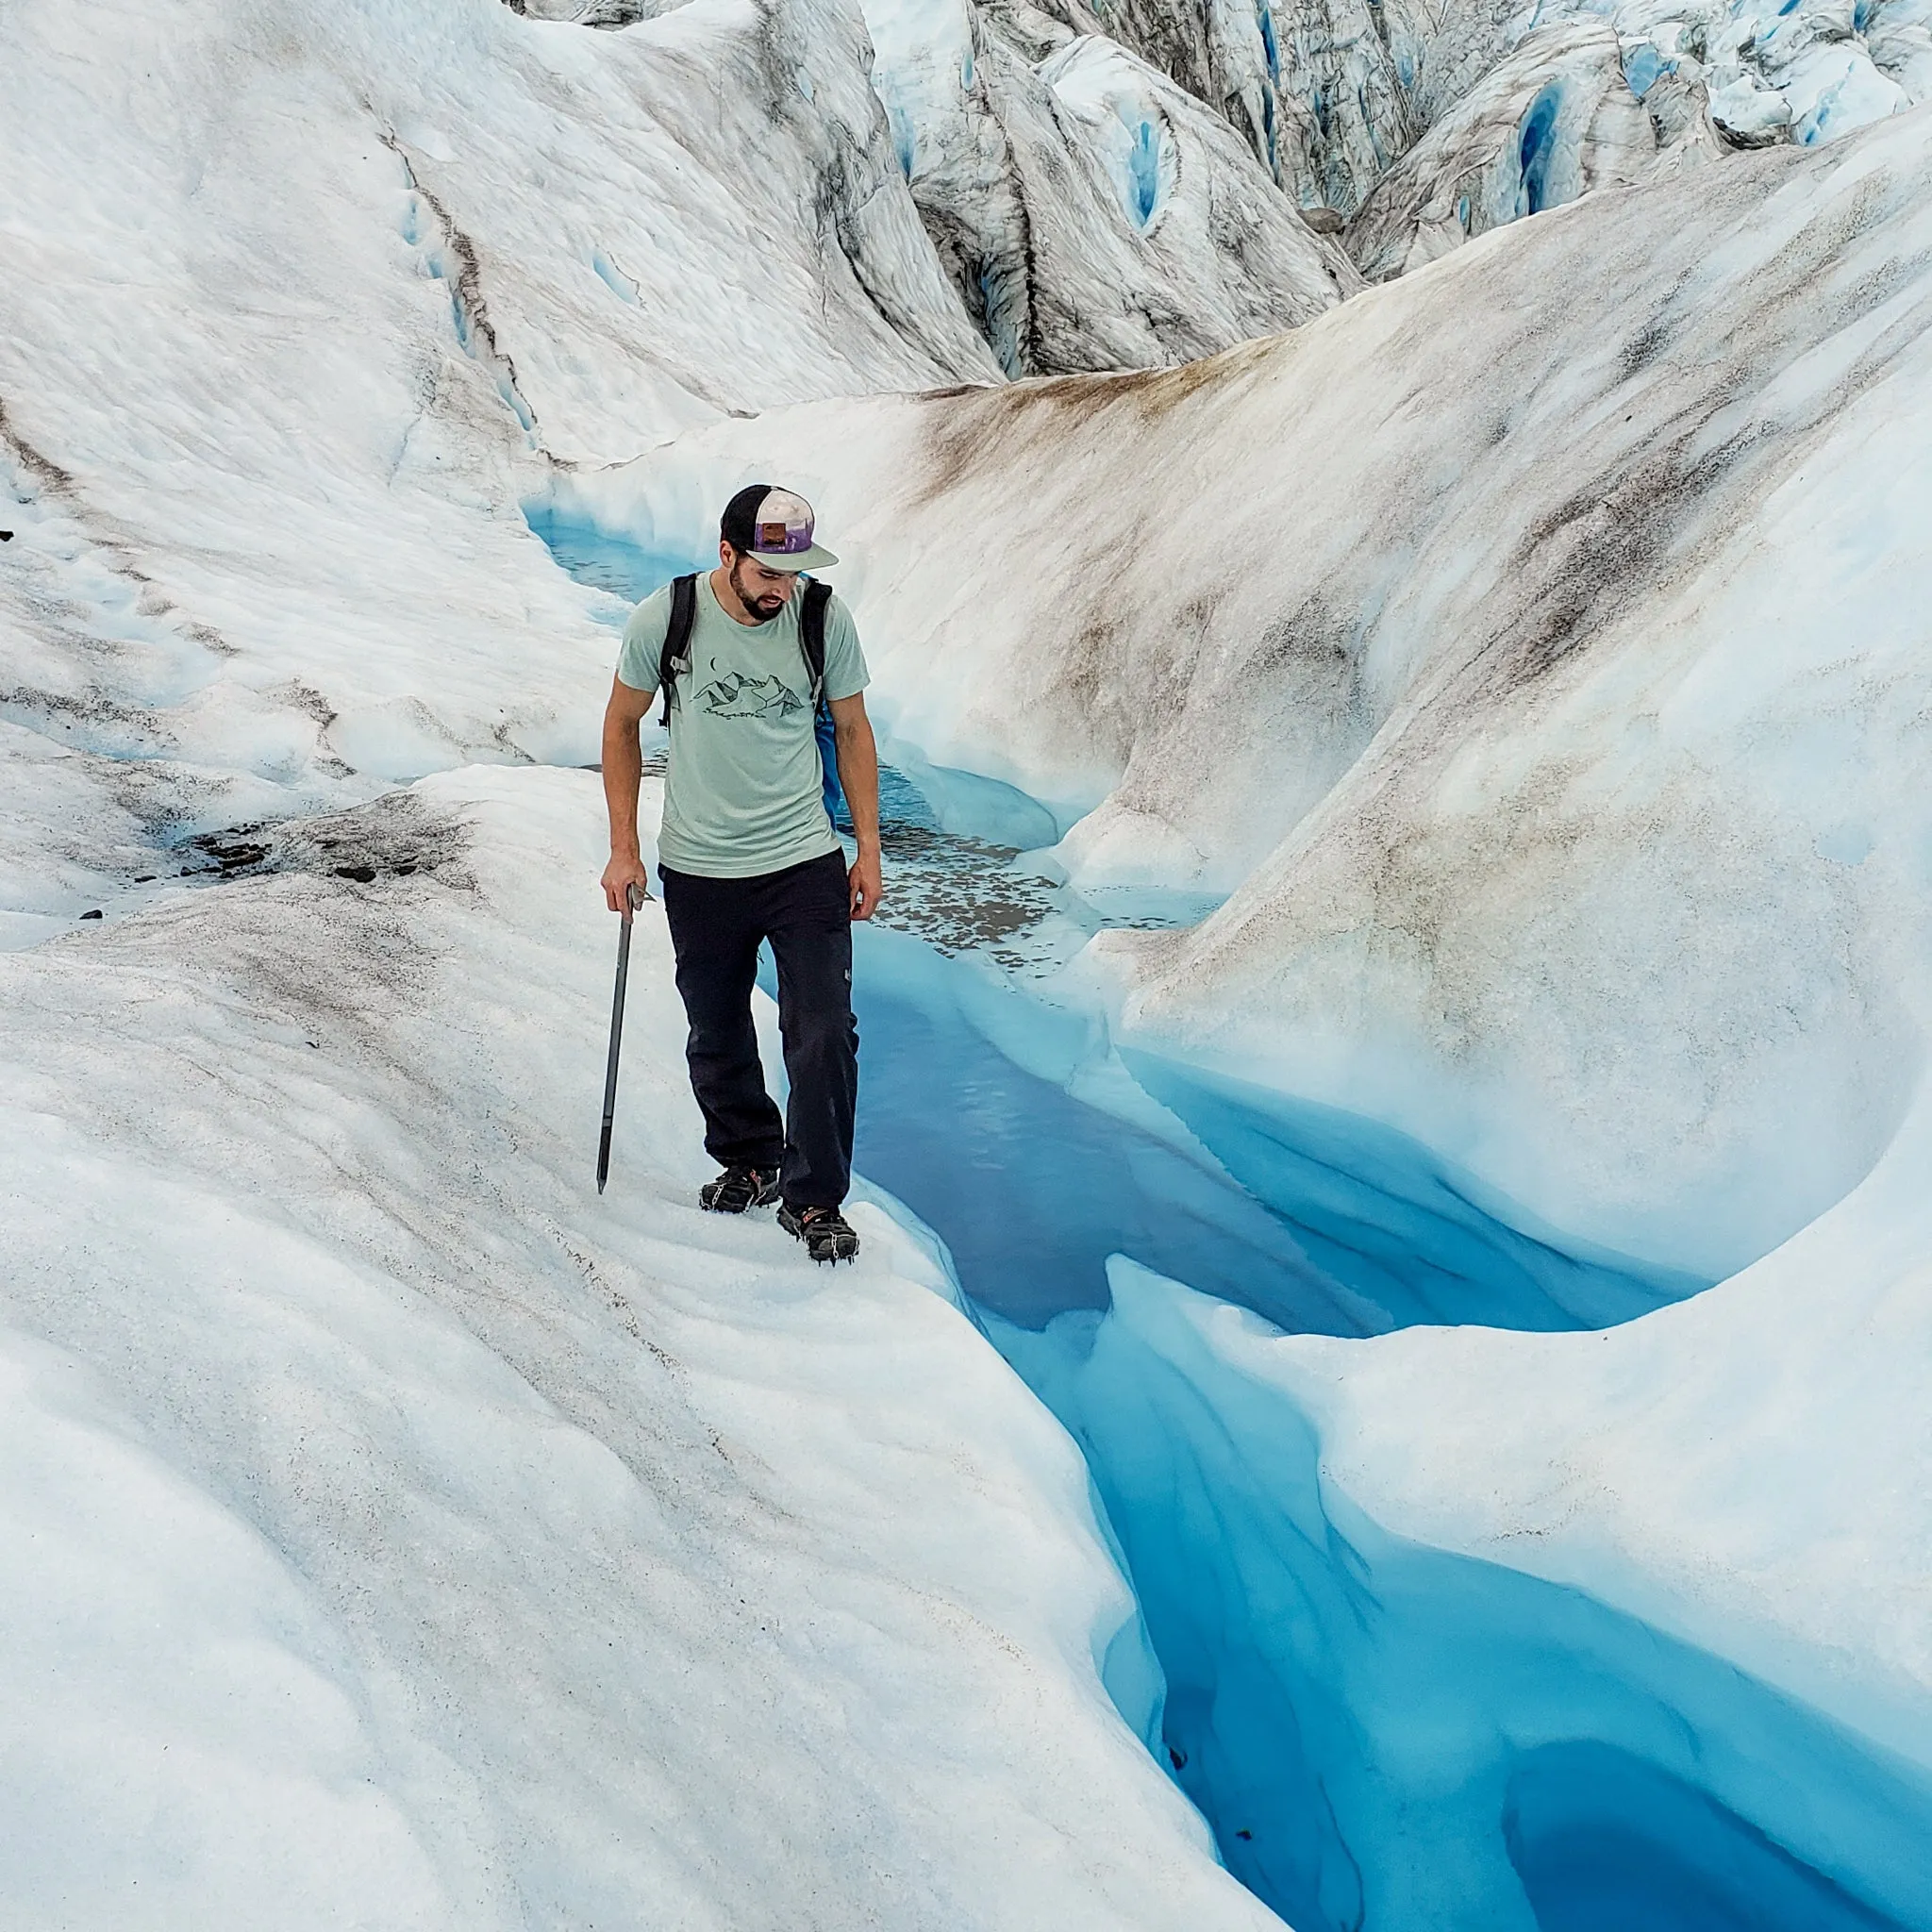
(626, 870)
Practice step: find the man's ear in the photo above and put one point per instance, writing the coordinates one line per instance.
(726, 555)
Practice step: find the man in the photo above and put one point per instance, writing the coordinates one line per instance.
(746, 852)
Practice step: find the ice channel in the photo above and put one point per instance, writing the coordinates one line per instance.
(1382, 1736)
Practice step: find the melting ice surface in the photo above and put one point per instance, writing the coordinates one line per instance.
(1382, 1736)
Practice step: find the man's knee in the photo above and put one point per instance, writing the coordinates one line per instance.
(822, 1028)
(721, 1034)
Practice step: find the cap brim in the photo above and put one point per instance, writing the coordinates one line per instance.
(817, 557)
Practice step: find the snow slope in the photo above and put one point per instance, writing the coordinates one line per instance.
(298, 301)
(399, 1534)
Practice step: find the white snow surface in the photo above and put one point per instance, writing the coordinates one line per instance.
(397, 1534)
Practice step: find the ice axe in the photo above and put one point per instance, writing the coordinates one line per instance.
(634, 896)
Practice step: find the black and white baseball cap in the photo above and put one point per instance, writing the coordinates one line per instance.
(773, 528)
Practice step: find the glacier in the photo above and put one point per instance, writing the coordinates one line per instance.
(1092, 214)
(1443, 778)
(1434, 1724)
(1554, 120)
(1552, 779)
(1549, 780)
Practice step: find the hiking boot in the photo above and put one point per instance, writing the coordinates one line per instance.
(737, 1189)
(826, 1234)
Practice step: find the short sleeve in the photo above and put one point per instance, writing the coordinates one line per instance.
(845, 672)
(644, 642)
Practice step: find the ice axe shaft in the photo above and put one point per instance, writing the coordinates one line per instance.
(634, 897)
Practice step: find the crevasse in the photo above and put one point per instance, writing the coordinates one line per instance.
(1381, 1734)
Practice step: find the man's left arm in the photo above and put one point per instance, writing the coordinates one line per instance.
(859, 774)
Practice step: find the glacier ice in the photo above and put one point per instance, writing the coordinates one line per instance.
(1069, 259)
(395, 1527)
(1524, 657)
(1332, 99)
(1392, 1734)
(1383, 77)
(1553, 121)
(264, 509)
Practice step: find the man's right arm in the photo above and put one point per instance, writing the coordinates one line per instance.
(624, 771)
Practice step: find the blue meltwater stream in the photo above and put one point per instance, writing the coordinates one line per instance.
(1382, 1736)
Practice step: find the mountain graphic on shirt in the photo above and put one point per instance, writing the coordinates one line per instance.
(735, 695)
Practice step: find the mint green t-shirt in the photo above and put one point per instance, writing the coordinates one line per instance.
(743, 793)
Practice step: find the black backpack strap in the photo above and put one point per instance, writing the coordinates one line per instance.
(675, 656)
(811, 628)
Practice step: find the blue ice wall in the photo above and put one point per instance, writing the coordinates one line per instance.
(1390, 1737)
(1143, 170)
(1642, 68)
(1317, 1220)
(1536, 146)
(1402, 1230)
(1002, 306)
(1602, 1839)
(1033, 1189)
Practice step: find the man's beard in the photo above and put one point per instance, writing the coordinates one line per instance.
(763, 608)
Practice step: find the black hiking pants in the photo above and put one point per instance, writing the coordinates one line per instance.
(716, 924)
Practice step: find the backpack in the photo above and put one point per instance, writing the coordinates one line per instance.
(675, 656)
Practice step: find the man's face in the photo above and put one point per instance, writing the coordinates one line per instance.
(763, 592)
